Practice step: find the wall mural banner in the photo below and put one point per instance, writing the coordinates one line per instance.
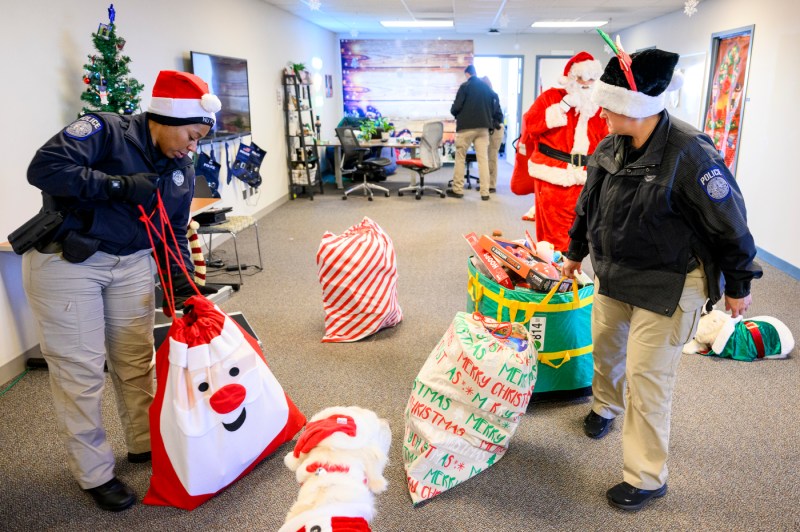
(408, 81)
(730, 55)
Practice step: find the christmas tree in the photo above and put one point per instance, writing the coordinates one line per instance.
(109, 89)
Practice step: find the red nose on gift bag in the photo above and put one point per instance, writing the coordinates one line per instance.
(228, 398)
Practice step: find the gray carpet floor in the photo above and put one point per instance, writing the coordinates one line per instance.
(734, 452)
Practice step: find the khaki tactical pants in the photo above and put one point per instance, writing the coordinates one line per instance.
(464, 138)
(495, 140)
(89, 313)
(642, 348)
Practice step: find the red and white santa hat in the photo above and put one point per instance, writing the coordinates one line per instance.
(581, 65)
(180, 98)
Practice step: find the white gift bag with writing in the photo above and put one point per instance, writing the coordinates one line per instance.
(466, 403)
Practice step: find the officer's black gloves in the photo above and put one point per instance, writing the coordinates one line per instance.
(136, 188)
(183, 290)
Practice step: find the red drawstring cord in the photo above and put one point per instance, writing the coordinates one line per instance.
(165, 277)
(499, 329)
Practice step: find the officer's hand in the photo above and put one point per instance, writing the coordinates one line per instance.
(738, 306)
(136, 188)
(570, 267)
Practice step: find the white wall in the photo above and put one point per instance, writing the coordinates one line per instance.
(769, 136)
(44, 46)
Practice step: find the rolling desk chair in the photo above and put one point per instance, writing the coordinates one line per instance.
(429, 159)
(352, 152)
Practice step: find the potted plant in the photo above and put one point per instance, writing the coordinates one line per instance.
(386, 127)
(368, 128)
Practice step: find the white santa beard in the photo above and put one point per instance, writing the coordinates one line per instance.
(585, 106)
(211, 458)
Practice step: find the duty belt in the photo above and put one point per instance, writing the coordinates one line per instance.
(575, 159)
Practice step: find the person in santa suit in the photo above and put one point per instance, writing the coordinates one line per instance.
(560, 132)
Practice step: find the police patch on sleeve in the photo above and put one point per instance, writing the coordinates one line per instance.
(714, 184)
(84, 127)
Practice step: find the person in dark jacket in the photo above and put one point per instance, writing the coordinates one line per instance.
(496, 135)
(474, 109)
(92, 288)
(665, 225)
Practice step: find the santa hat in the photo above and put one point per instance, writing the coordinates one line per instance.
(180, 98)
(653, 73)
(581, 65)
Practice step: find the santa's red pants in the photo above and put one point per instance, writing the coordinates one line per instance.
(555, 212)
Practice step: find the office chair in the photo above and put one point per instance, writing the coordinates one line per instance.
(352, 152)
(429, 159)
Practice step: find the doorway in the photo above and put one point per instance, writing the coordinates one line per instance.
(505, 73)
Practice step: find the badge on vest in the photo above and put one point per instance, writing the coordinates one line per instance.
(177, 178)
(715, 185)
(84, 127)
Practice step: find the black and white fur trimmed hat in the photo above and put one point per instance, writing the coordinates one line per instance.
(654, 73)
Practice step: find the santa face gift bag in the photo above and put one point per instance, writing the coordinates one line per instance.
(358, 274)
(218, 410)
(466, 403)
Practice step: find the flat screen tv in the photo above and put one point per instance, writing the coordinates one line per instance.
(227, 78)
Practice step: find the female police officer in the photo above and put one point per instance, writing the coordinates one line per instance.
(661, 216)
(92, 288)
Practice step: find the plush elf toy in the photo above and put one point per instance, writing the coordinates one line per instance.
(741, 339)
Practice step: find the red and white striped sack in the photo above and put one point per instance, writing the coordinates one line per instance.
(358, 274)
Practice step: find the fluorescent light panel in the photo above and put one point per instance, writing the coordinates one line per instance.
(417, 23)
(569, 23)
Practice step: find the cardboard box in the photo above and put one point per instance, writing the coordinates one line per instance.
(541, 276)
(495, 270)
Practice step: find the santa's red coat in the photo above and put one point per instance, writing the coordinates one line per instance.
(556, 184)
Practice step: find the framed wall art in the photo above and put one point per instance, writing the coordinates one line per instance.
(727, 90)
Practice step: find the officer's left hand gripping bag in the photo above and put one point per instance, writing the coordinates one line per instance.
(218, 409)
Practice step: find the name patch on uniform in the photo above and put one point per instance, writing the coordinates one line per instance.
(177, 178)
(84, 127)
(714, 184)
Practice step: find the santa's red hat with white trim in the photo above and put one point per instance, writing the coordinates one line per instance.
(581, 65)
(180, 98)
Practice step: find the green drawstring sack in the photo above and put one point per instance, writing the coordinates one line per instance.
(559, 323)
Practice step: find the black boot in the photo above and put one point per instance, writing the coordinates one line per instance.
(627, 497)
(596, 426)
(113, 496)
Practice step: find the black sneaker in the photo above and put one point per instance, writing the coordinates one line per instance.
(485, 198)
(492, 190)
(452, 194)
(596, 426)
(626, 497)
(113, 496)
(139, 458)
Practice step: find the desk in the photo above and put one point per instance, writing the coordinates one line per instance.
(337, 152)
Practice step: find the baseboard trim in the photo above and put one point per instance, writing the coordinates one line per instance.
(15, 366)
(772, 260)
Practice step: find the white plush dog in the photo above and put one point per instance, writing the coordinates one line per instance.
(739, 338)
(339, 461)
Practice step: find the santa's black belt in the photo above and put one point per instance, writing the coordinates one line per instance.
(575, 159)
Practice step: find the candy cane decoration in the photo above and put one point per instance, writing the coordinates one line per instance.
(196, 250)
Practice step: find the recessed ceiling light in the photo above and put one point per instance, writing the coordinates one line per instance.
(569, 23)
(417, 23)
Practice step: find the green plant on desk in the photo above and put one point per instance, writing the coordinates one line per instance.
(384, 124)
(368, 128)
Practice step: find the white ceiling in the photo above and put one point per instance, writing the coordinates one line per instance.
(475, 16)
